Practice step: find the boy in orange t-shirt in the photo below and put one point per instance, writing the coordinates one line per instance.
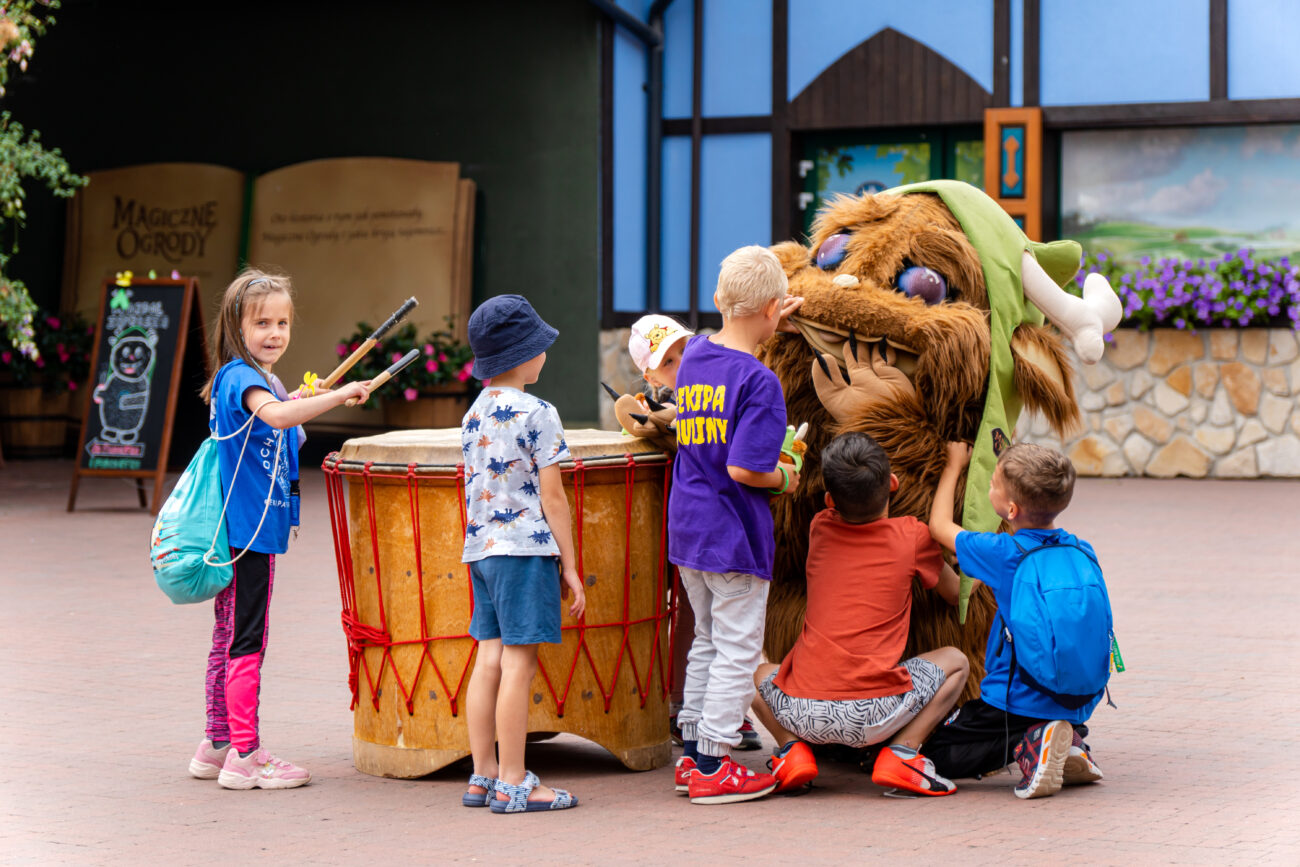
(842, 682)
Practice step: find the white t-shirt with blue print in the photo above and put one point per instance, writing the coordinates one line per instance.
(506, 438)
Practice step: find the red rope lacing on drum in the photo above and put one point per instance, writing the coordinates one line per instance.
(362, 636)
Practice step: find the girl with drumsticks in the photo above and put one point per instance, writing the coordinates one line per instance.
(251, 333)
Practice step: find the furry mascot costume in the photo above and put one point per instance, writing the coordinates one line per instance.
(923, 322)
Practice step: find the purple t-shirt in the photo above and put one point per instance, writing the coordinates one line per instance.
(730, 412)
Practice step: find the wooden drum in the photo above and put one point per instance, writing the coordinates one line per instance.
(397, 512)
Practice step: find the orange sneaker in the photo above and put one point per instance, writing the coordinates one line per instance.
(916, 774)
(798, 767)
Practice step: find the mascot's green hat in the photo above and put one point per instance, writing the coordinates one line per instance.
(1000, 244)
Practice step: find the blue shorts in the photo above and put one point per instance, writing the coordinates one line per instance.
(516, 599)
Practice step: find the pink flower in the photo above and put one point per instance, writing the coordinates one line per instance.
(431, 366)
(442, 357)
(342, 350)
(466, 371)
(428, 349)
(463, 375)
(6, 356)
(397, 356)
(72, 386)
(90, 329)
(40, 362)
(53, 322)
(63, 357)
(410, 394)
(353, 347)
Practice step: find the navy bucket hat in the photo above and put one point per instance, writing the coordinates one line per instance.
(504, 332)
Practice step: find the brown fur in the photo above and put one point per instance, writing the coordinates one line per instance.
(951, 341)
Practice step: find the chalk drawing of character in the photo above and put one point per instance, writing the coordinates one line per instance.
(123, 398)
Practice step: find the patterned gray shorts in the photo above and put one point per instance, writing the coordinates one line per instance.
(858, 722)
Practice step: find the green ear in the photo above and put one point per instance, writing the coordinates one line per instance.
(1060, 259)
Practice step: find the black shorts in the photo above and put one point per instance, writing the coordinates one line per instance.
(978, 739)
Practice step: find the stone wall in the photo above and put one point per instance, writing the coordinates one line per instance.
(617, 369)
(1165, 403)
(1169, 403)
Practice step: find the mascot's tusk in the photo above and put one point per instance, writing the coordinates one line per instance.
(845, 281)
(1084, 320)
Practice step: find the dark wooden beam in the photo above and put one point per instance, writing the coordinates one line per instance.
(697, 135)
(1001, 53)
(1233, 111)
(1218, 49)
(719, 125)
(781, 160)
(1032, 54)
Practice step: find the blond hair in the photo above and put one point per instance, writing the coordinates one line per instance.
(750, 277)
(244, 295)
(1039, 480)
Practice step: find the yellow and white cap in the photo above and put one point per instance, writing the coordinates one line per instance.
(651, 336)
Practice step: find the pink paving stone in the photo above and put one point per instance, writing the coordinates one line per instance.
(101, 685)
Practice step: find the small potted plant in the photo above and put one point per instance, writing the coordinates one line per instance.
(435, 391)
(36, 395)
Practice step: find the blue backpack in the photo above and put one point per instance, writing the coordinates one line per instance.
(1059, 623)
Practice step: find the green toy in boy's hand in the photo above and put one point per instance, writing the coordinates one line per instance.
(794, 447)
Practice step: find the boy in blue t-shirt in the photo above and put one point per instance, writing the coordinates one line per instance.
(730, 429)
(1031, 485)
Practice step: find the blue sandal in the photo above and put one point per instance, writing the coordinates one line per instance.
(519, 802)
(470, 799)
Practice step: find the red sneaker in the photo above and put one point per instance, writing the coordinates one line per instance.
(682, 773)
(749, 739)
(796, 768)
(916, 774)
(728, 784)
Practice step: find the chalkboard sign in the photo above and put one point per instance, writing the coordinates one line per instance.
(143, 332)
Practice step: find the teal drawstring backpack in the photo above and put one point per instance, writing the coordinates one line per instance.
(191, 525)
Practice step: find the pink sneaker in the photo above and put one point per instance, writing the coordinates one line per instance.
(262, 770)
(208, 761)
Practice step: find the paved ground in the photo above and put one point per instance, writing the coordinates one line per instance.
(101, 685)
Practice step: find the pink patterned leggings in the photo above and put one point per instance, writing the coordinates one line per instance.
(238, 648)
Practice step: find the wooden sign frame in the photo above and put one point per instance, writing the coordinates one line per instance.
(191, 317)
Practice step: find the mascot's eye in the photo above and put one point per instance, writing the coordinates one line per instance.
(924, 283)
(831, 254)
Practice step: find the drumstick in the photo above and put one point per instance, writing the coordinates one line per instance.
(369, 342)
(394, 369)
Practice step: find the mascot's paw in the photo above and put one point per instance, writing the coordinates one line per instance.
(640, 420)
(870, 382)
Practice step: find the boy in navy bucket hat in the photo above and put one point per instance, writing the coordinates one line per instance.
(517, 528)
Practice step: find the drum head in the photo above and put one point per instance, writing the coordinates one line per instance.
(442, 448)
